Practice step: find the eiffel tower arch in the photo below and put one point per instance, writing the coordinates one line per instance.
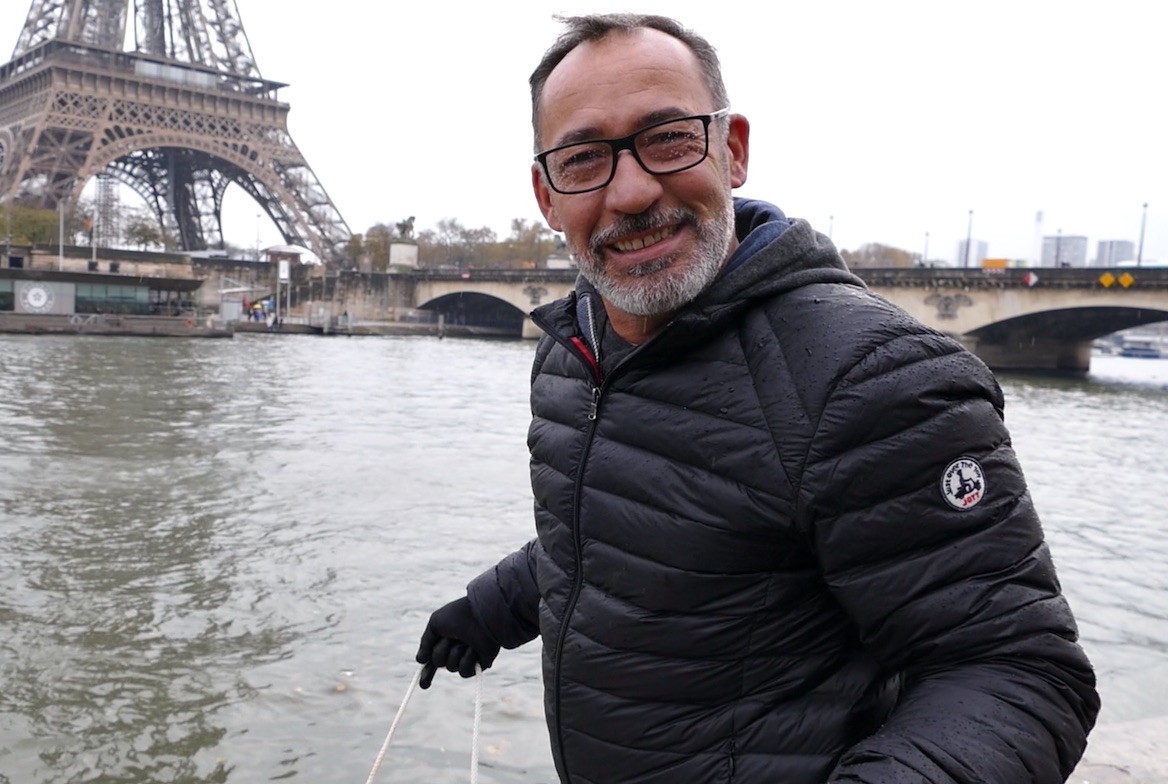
(174, 109)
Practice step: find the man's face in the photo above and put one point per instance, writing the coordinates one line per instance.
(649, 243)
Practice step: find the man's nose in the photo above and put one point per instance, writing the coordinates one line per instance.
(632, 189)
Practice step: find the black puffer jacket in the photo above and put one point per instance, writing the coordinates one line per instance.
(751, 564)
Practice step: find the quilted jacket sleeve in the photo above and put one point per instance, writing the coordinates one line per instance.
(942, 567)
(505, 598)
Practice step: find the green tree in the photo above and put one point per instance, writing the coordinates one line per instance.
(355, 249)
(28, 225)
(530, 242)
(428, 248)
(377, 246)
(476, 245)
(448, 237)
(142, 230)
(451, 244)
(79, 227)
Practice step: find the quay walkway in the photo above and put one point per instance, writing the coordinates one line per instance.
(1128, 752)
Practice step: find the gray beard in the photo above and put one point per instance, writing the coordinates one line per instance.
(665, 284)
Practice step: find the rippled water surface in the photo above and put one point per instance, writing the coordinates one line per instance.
(217, 556)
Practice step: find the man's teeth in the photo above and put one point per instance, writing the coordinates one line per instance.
(643, 242)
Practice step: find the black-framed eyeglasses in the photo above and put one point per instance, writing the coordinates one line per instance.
(666, 147)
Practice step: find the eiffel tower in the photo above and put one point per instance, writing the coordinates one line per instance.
(177, 119)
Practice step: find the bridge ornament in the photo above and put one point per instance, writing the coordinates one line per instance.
(947, 304)
(537, 293)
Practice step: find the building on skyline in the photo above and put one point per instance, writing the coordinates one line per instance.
(1064, 250)
(1036, 248)
(1111, 252)
(978, 250)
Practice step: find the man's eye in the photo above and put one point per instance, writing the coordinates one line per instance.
(586, 156)
(670, 137)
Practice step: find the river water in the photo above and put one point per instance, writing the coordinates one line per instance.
(217, 556)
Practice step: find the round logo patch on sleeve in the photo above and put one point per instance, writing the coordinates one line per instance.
(963, 484)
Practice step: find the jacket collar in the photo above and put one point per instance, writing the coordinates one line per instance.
(775, 254)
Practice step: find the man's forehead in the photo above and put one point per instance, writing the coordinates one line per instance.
(584, 131)
(621, 54)
(643, 75)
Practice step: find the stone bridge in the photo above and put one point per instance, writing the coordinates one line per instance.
(1034, 318)
(491, 298)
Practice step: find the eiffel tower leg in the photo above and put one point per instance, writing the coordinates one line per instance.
(178, 126)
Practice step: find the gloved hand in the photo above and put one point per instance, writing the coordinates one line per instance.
(454, 639)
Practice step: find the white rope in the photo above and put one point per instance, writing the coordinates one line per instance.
(393, 726)
(474, 737)
(478, 714)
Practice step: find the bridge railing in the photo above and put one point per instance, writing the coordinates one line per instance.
(924, 277)
(1016, 277)
(498, 275)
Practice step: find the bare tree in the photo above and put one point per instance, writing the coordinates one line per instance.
(873, 254)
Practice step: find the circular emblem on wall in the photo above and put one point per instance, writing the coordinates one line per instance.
(37, 298)
(963, 485)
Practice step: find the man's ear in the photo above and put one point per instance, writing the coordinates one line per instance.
(543, 197)
(738, 145)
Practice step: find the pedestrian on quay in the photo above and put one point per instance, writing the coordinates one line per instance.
(781, 532)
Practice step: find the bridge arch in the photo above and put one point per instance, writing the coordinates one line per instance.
(1059, 340)
(1082, 323)
(522, 290)
(478, 313)
(1028, 318)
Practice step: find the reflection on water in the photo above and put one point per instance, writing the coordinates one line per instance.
(217, 556)
(131, 598)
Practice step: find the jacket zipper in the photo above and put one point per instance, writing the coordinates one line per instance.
(581, 350)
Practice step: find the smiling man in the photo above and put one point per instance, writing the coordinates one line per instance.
(648, 243)
(782, 535)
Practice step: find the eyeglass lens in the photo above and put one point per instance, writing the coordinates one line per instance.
(660, 149)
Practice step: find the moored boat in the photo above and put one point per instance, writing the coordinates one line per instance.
(1143, 348)
(41, 301)
(1142, 352)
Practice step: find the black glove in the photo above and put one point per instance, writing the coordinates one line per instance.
(454, 639)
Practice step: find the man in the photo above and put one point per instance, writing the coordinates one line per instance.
(782, 534)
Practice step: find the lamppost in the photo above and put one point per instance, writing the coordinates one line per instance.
(60, 233)
(925, 255)
(968, 238)
(257, 236)
(1143, 222)
(1058, 249)
(7, 233)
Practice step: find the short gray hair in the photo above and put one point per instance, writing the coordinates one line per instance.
(594, 27)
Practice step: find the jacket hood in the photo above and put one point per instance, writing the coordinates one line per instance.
(775, 254)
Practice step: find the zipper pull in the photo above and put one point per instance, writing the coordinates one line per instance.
(595, 404)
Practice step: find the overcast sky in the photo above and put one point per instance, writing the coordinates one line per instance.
(878, 122)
